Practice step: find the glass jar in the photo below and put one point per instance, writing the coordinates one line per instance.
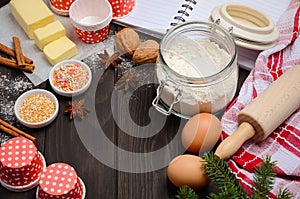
(197, 69)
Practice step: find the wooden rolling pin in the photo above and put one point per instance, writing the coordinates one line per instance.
(265, 113)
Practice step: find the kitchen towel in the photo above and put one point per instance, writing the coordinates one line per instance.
(283, 145)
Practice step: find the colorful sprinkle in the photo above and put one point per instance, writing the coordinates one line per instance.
(70, 77)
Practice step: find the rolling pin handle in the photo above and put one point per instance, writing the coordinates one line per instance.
(231, 144)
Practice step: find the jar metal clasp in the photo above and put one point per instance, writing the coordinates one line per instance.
(159, 90)
(217, 23)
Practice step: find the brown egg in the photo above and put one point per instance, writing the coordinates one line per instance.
(187, 170)
(201, 133)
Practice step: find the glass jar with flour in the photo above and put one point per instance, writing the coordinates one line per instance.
(197, 69)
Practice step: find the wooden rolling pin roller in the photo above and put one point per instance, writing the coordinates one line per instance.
(265, 113)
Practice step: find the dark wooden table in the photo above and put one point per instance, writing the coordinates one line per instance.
(66, 141)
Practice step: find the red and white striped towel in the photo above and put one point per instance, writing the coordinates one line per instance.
(283, 145)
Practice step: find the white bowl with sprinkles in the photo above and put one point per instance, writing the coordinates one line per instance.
(70, 78)
(36, 108)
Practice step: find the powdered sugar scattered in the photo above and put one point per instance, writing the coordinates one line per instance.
(11, 86)
(15, 85)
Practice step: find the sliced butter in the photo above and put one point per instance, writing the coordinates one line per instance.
(59, 50)
(31, 14)
(45, 35)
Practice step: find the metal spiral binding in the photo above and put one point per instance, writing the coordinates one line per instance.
(184, 12)
(187, 7)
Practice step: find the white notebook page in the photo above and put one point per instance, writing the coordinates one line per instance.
(158, 14)
(152, 15)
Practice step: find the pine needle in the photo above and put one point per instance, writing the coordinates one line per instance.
(222, 177)
(185, 192)
(264, 178)
(284, 194)
(229, 187)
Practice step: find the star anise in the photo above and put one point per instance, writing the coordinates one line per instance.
(110, 61)
(76, 109)
(127, 80)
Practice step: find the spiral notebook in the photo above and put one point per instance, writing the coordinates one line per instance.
(155, 17)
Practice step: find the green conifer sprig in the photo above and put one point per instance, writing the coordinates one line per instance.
(284, 194)
(229, 187)
(185, 192)
(263, 179)
(218, 171)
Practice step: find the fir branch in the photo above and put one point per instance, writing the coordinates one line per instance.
(220, 174)
(222, 177)
(284, 194)
(185, 192)
(264, 178)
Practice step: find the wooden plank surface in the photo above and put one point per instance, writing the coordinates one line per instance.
(126, 121)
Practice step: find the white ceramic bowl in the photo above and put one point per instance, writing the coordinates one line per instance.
(75, 92)
(24, 96)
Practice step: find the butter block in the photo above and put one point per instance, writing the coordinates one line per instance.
(45, 35)
(59, 50)
(31, 14)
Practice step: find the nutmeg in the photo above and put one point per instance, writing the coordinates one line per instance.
(127, 40)
(146, 52)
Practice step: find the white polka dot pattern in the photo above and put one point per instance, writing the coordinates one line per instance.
(59, 180)
(20, 162)
(121, 7)
(92, 37)
(61, 5)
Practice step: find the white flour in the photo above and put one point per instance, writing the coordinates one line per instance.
(199, 59)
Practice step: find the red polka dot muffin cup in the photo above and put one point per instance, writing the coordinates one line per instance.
(61, 7)
(59, 180)
(21, 164)
(121, 8)
(91, 19)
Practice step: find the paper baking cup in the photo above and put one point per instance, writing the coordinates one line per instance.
(121, 8)
(91, 19)
(61, 7)
(59, 180)
(21, 164)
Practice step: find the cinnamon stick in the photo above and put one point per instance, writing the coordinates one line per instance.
(8, 51)
(9, 131)
(4, 126)
(19, 52)
(13, 64)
